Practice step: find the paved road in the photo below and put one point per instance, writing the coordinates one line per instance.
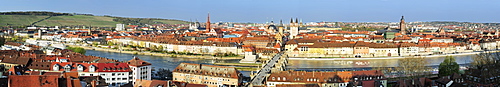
(260, 77)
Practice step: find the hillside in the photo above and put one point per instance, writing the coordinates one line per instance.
(19, 20)
(66, 19)
(99, 21)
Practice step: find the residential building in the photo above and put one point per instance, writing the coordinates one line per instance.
(115, 74)
(212, 76)
(408, 49)
(120, 27)
(372, 78)
(141, 70)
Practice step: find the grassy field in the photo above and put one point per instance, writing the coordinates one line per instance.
(19, 20)
(96, 21)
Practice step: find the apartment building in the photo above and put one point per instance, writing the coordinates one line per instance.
(212, 76)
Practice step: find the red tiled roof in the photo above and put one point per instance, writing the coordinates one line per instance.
(137, 62)
(112, 67)
(151, 83)
(33, 81)
(100, 67)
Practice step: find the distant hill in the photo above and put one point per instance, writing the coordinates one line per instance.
(72, 19)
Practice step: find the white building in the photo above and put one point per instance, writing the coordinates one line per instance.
(120, 27)
(115, 74)
(442, 39)
(140, 69)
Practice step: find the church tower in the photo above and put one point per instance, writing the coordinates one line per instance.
(279, 35)
(294, 28)
(208, 23)
(402, 25)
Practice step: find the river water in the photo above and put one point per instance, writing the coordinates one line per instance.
(357, 63)
(158, 61)
(171, 63)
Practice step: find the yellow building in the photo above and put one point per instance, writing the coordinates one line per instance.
(210, 75)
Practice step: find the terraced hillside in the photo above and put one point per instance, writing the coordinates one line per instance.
(96, 21)
(79, 20)
(19, 20)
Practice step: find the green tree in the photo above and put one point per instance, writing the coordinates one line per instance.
(95, 43)
(110, 43)
(162, 74)
(153, 48)
(448, 66)
(2, 41)
(15, 38)
(77, 49)
(159, 48)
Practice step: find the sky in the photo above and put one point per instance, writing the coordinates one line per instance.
(260, 11)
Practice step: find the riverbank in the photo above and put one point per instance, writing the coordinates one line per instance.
(154, 54)
(381, 58)
(239, 64)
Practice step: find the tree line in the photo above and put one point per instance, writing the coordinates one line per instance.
(45, 13)
(137, 21)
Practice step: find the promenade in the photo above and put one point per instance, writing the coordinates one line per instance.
(400, 57)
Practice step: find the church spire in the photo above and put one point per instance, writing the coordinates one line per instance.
(208, 23)
(296, 20)
(281, 22)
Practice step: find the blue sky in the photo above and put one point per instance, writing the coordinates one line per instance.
(265, 10)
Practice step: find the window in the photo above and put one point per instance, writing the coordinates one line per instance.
(304, 48)
(67, 68)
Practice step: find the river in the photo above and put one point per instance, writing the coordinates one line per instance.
(160, 62)
(171, 63)
(359, 63)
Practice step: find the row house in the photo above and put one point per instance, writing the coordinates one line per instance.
(382, 50)
(489, 45)
(311, 48)
(186, 46)
(473, 44)
(258, 42)
(210, 75)
(325, 49)
(442, 39)
(361, 49)
(372, 78)
(408, 49)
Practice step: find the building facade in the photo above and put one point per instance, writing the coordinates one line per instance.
(140, 69)
(212, 76)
